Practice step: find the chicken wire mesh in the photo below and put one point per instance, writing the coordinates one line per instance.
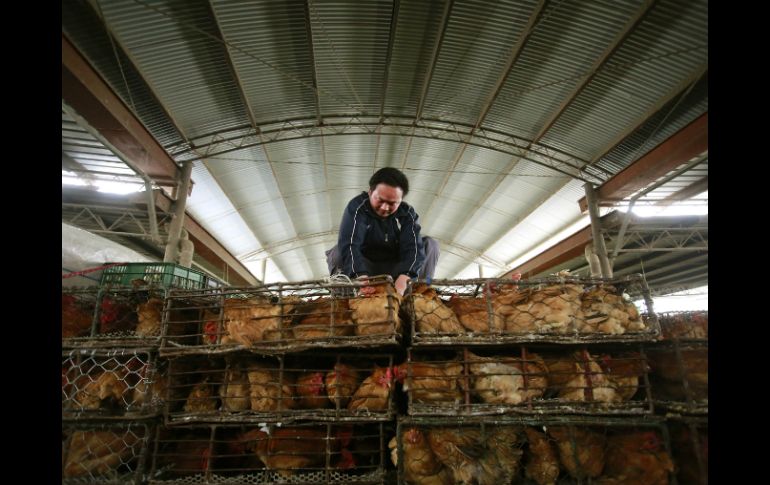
(119, 384)
(167, 275)
(690, 447)
(551, 380)
(298, 453)
(112, 317)
(684, 326)
(247, 388)
(538, 451)
(283, 317)
(104, 453)
(679, 376)
(555, 309)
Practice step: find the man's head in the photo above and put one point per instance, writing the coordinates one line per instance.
(386, 189)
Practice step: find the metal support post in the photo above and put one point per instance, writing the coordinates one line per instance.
(596, 230)
(175, 228)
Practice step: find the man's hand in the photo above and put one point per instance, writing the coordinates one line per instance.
(401, 283)
(365, 290)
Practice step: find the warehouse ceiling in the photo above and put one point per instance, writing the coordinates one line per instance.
(498, 112)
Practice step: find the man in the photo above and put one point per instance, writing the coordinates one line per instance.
(380, 234)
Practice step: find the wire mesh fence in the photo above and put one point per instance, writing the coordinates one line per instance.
(308, 453)
(532, 451)
(684, 326)
(551, 380)
(679, 376)
(111, 384)
(283, 317)
(104, 453)
(556, 309)
(690, 447)
(112, 317)
(248, 388)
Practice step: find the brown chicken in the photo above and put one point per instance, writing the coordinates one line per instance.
(96, 453)
(543, 465)
(499, 380)
(691, 453)
(341, 383)
(289, 448)
(602, 310)
(235, 390)
(624, 372)
(669, 374)
(310, 392)
(248, 322)
(201, 398)
(151, 393)
(550, 309)
(266, 393)
(431, 314)
(579, 378)
(322, 318)
(473, 459)
(116, 316)
(377, 313)
(106, 389)
(685, 326)
(190, 454)
(149, 315)
(636, 459)
(76, 317)
(432, 383)
(373, 393)
(421, 467)
(581, 451)
(478, 315)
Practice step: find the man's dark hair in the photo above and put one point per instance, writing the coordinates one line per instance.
(389, 176)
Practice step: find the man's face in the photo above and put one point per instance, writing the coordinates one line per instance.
(385, 199)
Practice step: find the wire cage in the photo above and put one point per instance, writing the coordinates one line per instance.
(555, 309)
(105, 453)
(532, 451)
(690, 446)
(522, 380)
(112, 317)
(283, 317)
(166, 275)
(247, 388)
(307, 453)
(111, 384)
(684, 326)
(679, 376)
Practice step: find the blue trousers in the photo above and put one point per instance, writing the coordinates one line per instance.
(430, 245)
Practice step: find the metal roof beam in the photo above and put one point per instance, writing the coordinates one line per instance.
(569, 248)
(687, 143)
(688, 192)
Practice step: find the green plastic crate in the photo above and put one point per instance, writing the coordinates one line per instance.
(166, 275)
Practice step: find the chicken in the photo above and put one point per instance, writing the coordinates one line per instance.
(149, 317)
(623, 372)
(373, 394)
(581, 451)
(685, 326)
(155, 390)
(636, 459)
(96, 453)
(376, 314)
(108, 388)
(359, 449)
(431, 314)
(473, 459)
(310, 392)
(235, 390)
(191, 454)
(341, 383)
(478, 315)
(432, 383)
(76, 317)
(201, 398)
(287, 449)
(579, 378)
(266, 392)
(248, 322)
(669, 374)
(543, 465)
(691, 453)
(116, 316)
(603, 311)
(322, 318)
(550, 309)
(495, 381)
(421, 467)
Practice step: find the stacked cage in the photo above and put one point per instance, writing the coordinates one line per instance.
(679, 378)
(529, 381)
(113, 381)
(284, 383)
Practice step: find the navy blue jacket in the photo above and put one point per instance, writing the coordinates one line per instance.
(364, 235)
